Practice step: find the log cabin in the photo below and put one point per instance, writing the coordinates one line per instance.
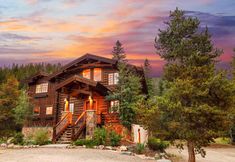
(71, 102)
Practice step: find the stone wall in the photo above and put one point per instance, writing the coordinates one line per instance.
(29, 131)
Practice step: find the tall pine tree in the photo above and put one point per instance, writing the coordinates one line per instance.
(118, 52)
(197, 105)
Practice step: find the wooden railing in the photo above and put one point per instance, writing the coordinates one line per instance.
(79, 125)
(62, 125)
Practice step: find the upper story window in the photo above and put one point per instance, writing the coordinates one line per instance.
(86, 73)
(97, 74)
(42, 88)
(113, 78)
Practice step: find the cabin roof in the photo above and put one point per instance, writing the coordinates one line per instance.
(37, 76)
(80, 59)
(75, 79)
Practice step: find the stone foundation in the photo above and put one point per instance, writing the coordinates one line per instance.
(29, 131)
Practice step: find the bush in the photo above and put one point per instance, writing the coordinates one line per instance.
(87, 143)
(41, 137)
(18, 138)
(100, 136)
(114, 138)
(157, 144)
(139, 148)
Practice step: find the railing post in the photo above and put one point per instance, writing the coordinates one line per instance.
(54, 135)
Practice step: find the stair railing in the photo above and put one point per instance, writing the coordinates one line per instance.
(62, 125)
(79, 125)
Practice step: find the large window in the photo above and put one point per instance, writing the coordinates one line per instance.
(86, 74)
(71, 107)
(49, 110)
(42, 88)
(114, 106)
(36, 110)
(113, 78)
(97, 74)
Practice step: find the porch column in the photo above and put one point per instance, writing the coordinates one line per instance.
(90, 123)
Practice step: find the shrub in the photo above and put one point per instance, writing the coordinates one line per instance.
(18, 138)
(87, 143)
(139, 148)
(157, 144)
(100, 136)
(41, 137)
(114, 138)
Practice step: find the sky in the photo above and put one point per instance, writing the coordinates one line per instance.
(63, 30)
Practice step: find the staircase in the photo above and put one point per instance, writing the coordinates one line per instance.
(65, 131)
(66, 136)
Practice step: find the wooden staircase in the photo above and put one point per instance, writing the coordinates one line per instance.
(65, 131)
(66, 136)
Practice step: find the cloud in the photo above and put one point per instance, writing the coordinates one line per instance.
(11, 36)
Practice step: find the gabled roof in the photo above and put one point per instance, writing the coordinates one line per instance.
(78, 79)
(37, 76)
(82, 58)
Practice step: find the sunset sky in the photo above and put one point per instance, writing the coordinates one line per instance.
(62, 30)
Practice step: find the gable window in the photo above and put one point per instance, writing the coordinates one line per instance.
(71, 107)
(36, 110)
(86, 73)
(42, 88)
(114, 106)
(97, 74)
(49, 110)
(113, 78)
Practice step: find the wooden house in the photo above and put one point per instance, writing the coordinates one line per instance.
(71, 101)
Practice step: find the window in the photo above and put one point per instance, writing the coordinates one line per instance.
(114, 106)
(42, 88)
(113, 78)
(97, 74)
(49, 110)
(36, 110)
(86, 74)
(71, 107)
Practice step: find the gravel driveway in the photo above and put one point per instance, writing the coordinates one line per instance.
(224, 154)
(65, 155)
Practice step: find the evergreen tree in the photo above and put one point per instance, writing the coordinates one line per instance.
(197, 105)
(118, 52)
(128, 92)
(9, 94)
(149, 80)
(23, 110)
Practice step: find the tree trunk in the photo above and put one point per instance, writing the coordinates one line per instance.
(191, 152)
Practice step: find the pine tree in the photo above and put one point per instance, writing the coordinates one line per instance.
(9, 94)
(149, 80)
(197, 105)
(118, 52)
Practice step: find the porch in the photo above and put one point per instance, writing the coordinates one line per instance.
(81, 106)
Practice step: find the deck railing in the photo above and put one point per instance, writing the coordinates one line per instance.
(79, 125)
(61, 125)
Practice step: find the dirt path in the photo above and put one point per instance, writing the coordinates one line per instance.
(65, 155)
(212, 155)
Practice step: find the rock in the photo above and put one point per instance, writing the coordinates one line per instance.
(101, 147)
(163, 160)
(71, 147)
(17, 147)
(10, 146)
(26, 147)
(84, 146)
(128, 153)
(9, 141)
(3, 145)
(123, 148)
(108, 148)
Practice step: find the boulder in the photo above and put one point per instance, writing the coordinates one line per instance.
(3, 145)
(9, 141)
(163, 160)
(10, 145)
(101, 147)
(123, 148)
(108, 148)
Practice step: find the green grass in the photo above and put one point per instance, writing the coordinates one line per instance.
(222, 140)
